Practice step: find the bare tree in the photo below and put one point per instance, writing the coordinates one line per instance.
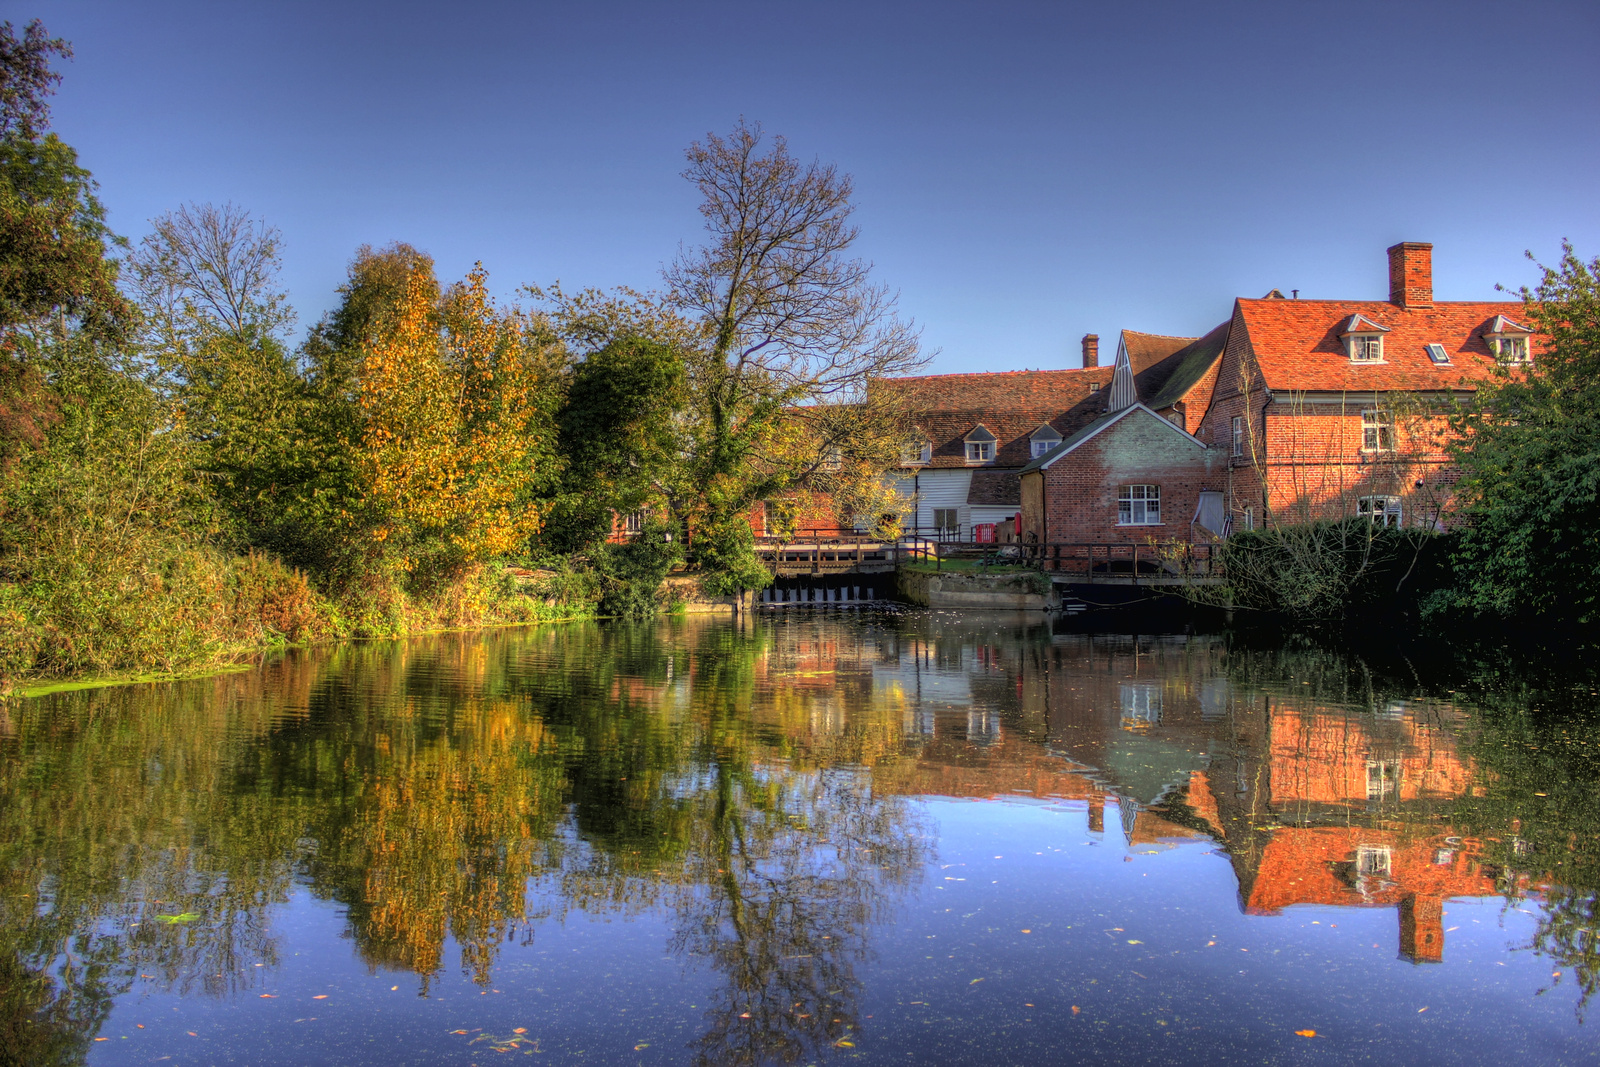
(784, 306)
(205, 269)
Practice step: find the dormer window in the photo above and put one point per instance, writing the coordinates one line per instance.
(1507, 340)
(1363, 339)
(1043, 440)
(916, 452)
(980, 445)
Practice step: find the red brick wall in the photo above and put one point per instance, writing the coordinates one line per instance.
(1081, 488)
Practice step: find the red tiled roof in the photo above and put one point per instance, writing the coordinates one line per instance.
(1297, 344)
(1012, 404)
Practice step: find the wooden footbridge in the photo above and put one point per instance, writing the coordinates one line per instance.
(1081, 563)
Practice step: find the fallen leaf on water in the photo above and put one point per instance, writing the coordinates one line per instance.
(1131, 941)
(1306, 1033)
(191, 1033)
(458, 1031)
(1027, 931)
(1421, 1010)
(975, 981)
(744, 1015)
(139, 1025)
(1210, 943)
(184, 917)
(1074, 1009)
(320, 996)
(268, 996)
(520, 1030)
(836, 1044)
(102, 1039)
(393, 988)
(641, 1048)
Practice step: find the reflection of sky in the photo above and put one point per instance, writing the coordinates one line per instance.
(1023, 916)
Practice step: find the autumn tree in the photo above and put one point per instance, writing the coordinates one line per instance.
(452, 441)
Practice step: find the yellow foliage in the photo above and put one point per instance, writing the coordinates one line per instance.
(450, 424)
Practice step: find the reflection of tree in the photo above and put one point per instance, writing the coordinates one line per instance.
(427, 786)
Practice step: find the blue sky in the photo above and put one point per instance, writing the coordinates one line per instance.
(1025, 173)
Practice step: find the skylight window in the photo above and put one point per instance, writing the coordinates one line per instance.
(1437, 353)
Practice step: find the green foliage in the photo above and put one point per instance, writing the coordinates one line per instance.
(631, 573)
(725, 550)
(53, 237)
(1529, 451)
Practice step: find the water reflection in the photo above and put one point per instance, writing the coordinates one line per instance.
(754, 788)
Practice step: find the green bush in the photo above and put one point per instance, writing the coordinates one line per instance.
(631, 573)
(726, 553)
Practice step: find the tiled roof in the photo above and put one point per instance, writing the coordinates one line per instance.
(1010, 404)
(1095, 427)
(1013, 404)
(1297, 346)
(1188, 365)
(1001, 488)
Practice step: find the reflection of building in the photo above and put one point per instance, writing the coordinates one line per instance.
(1316, 800)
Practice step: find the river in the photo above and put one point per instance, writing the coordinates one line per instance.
(889, 838)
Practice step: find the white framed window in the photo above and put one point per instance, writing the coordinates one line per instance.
(1249, 522)
(1437, 354)
(1238, 435)
(1373, 861)
(1139, 505)
(915, 452)
(1141, 705)
(946, 521)
(635, 521)
(1511, 348)
(980, 451)
(1365, 347)
(1383, 778)
(1377, 430)
(1382, 510)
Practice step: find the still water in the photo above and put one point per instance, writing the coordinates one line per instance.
(893, 839)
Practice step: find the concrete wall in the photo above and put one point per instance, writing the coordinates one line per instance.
(1004, 592)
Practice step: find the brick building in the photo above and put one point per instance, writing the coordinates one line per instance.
(1331, 408)
(979, 431)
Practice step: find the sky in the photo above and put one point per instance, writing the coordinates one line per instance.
(1024, 173)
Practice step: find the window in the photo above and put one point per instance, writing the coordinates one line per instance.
(1377, 430)
(1238, 435)
(1372, 861)
(915, 452)
(1366, 348)
(1041, 447)
(1141, 705)
(832, 459)
(980, 451)
(1139, 505)
(1382, 510)
(1438, 354)
(635, 521)
(1249, 518)
(1383, 778)
(946, 521)
(1511, 349)
(1094, 387)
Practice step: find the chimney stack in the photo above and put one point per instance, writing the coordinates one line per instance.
(1091, 350)
(1411, 274)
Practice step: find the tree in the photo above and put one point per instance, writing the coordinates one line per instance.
(53, 237)
(783, 333)
(213, 316)
(1528, 503)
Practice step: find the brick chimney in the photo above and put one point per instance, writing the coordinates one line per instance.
(1091, 350)
(1411, 274)
(1421, 929)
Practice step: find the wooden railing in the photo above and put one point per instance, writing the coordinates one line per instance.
(1118, 563)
